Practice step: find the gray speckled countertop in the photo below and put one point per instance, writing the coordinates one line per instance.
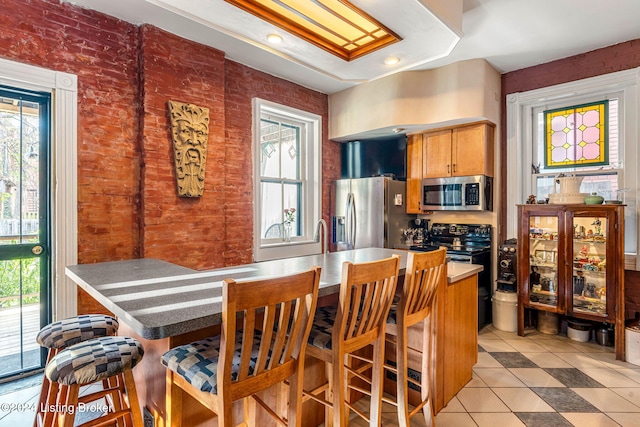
(158, 299)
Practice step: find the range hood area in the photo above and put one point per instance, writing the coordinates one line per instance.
(415, 101)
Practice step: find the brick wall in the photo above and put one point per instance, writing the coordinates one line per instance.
(607, 60)
(127, 198)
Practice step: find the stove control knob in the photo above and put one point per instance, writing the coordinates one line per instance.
(512, 250)
(505, 263)
(505, 249)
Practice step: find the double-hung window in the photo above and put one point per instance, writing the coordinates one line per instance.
(287, 181)
(588, 128)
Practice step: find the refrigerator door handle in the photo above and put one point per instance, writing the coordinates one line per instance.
(353, 221)
(348, 221)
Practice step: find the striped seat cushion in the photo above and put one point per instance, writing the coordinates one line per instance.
(67, 332)
(94, 360)
(320, 335)
(198, 362)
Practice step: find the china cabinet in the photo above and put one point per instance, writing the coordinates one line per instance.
(571, 262)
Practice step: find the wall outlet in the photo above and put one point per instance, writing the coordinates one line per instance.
(148, 419)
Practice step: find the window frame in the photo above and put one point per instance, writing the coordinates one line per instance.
(520, 130)
(310, 175)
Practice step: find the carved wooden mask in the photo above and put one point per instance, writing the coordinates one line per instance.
(190, 131)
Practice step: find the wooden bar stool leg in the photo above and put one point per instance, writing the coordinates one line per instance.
(132, 398)
(174, 402)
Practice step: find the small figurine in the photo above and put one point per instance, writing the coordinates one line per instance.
(534, 277)
(531, 200)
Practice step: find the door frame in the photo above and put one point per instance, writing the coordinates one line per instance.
(64, 173)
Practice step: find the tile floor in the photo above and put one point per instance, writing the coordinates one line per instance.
(537, 381)
(541, 381)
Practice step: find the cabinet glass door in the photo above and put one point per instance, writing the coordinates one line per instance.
(543, 260)
(589, 262)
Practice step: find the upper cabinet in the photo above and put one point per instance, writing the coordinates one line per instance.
(456, 151)
(414, 173)
(459, 151)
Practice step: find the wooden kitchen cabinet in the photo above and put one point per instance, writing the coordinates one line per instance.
(414, 173)
(459, 151)
(571, 262)
(455, 151)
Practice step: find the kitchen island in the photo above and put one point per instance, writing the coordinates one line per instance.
(165, 305)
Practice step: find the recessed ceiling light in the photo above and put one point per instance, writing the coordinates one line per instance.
(392, 60)
(274, 38)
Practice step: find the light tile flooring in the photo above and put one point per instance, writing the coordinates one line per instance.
(540, 381)
(537, 381)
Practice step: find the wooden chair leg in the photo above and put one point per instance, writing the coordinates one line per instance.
(328, 396)
(47, 396)
(377, 372)
(70, 395)
(340, 412)
(132, 398)
(173, 402)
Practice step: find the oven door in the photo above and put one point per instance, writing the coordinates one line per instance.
(461, 258)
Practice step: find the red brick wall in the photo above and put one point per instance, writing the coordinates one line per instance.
(242, 85)
(102, 52)
(127, 198)
(607, 60)
(188, 231)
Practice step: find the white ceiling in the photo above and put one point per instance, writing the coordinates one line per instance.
(510, 34)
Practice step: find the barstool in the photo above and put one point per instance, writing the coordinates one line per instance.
(59, 335)
(96, 360)
(268, 349)
(366, 294)
(424, 273)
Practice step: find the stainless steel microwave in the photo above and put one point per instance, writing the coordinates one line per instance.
(460, 193)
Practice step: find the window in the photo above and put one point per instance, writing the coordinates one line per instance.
(578, 140)
(287, 181)
(606, 107)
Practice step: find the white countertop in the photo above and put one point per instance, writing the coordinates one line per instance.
(457, 271)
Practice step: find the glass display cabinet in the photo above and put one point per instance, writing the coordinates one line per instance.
(571, 262)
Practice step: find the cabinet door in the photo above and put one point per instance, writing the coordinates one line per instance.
(541, 275)
(414, 173)
(437, 154)
(472, 150)
(592, 248)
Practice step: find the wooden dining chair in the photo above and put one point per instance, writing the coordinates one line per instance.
(265, 325)
(339, 333)
(424, 273)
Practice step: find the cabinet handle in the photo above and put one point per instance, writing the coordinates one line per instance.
(448, 168)
(454, 168)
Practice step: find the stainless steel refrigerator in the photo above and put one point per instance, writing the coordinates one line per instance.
(368, 212)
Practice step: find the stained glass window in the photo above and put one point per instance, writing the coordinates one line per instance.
(577, 136)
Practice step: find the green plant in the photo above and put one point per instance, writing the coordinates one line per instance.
(19, 277)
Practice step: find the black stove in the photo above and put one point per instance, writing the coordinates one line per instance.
(470, 244)
(469, 240)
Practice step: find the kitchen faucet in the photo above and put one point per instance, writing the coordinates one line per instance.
(322, 223)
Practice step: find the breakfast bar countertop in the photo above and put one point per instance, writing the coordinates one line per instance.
(158, 299)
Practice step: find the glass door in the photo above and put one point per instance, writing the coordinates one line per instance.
(24, 228)
(543, 253)
(589, 264)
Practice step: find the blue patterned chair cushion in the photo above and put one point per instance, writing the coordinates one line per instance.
(198, 362)
(67, 332)
(94, 360)
(320, 335)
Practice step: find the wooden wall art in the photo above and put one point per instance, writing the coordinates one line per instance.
(190, 131)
